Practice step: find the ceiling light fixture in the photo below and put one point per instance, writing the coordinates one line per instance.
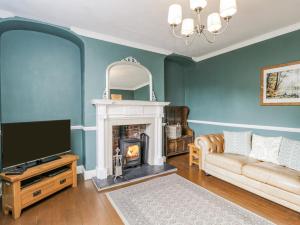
(214, 23)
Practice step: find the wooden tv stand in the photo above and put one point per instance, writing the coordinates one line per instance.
(15, 197)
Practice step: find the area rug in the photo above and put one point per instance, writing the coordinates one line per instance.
(173, 200)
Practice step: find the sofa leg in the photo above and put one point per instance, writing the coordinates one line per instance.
(206, 174)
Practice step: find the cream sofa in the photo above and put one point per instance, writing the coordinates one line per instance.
(274, 182)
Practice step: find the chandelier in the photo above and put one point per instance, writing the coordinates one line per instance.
(214, 22)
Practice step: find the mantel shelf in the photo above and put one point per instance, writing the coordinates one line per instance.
(127, 102)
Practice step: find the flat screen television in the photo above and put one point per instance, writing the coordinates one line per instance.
(32, 141)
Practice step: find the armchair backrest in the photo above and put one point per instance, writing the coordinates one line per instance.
(176, 114)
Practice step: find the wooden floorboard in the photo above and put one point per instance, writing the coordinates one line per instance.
(85, 206)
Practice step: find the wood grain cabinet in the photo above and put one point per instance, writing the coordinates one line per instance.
(16, 196)
(177, 115)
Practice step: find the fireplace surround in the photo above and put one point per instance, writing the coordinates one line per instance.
(111, 113)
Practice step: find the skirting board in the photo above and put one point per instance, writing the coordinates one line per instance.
(80, 169)
(87, 174)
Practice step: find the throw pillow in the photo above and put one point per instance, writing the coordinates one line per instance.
(289, 154)
(237, 142)
(265, 148)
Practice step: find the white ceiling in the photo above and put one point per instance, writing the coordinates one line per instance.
(145, 21)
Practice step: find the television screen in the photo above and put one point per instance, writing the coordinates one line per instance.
(29, 141)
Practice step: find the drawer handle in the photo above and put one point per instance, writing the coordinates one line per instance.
(62, 181)
(36, 193)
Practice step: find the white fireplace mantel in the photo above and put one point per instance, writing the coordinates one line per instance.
(111, 113)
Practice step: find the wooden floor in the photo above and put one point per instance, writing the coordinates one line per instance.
(85, 206)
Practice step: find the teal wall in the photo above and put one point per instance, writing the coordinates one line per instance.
(34, 87)
(48, 72)
(98, 55)
(40, 77)
(177, 69)
(142, 93)
(226, 88)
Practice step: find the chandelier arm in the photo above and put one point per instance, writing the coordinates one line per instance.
(176, 35)
(207, 39)
(219, 32)
(192, 38)
(223, 29)
(186, 39)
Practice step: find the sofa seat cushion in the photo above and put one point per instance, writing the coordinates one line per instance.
(275, 175)
(229, 161)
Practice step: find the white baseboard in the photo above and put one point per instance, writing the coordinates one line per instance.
(80, 169)
(89, 174)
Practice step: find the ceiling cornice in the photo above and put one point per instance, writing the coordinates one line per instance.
(115, 40)
(251, 41)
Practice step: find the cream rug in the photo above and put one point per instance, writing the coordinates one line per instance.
(173, 200)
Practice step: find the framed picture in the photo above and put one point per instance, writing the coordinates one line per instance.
(280, 84)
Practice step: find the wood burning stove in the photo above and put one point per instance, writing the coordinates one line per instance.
(131, 152)
(134, 151)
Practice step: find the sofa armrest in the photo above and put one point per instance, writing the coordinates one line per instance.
(212, 143)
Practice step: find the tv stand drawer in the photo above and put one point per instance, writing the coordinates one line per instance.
(62, 182)
(36, 194)
(46, 187)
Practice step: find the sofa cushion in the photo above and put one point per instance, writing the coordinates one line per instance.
(265, 148)
(228, 161)
(289, 154)
(238, 142)
(275, 175)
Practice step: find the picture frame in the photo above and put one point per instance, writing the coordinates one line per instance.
(280, 84)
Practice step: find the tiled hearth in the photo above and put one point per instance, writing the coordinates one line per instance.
(133, 175)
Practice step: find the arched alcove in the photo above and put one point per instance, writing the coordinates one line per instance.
(42, 70)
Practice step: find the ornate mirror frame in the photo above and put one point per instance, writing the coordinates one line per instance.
(128, 61)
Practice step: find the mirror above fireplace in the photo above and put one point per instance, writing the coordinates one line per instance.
(128, 80)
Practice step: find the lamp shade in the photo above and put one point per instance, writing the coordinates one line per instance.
(194, 4)
(175, 14)
(227, 8)
(214, 22)
(187, 27)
